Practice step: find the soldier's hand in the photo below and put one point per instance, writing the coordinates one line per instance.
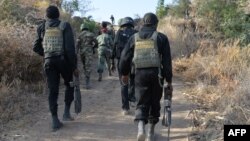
(124, 79)
(76, 72)
(169, 86)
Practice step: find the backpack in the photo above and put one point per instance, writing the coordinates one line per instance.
(123, 37)
(53, 40)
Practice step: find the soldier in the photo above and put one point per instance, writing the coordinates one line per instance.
(55, 42)
(105, 44)
(123, 34)
(86, 43)
(149, 50)
(112, 19)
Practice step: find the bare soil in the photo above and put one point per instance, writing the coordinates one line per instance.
(101, 118)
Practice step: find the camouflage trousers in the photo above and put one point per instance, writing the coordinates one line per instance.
(86, 58)
(104, 60)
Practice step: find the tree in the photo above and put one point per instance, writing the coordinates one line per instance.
(73, 6)
(160, 9)
(181, 8)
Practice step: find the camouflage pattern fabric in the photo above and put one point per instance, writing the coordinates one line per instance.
(105, 44)
(85, 43)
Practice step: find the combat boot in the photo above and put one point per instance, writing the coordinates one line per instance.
(141, 131)
(87, 83)
(100, 77)
(56, 124)
(151, 133)
(66, 115)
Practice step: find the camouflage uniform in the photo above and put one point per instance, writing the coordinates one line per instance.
(85, 44)
(105, 43)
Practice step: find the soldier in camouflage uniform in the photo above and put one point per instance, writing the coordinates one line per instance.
(86, 43)
(105, 44)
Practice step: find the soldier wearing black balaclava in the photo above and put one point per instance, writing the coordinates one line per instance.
(55, 42)
(149, 51)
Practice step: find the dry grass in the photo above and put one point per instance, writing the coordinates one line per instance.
(183, 41)
(222, 76)
(20, 73)
(18, 100)
(17, 59)
(221, 72)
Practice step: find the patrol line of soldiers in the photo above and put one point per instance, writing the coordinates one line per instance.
(143, 63)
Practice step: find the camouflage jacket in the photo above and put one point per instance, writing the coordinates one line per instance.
(105, 44)
(86, 41)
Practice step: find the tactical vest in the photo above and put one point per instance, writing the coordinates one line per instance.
(53, 40)
(146, 53)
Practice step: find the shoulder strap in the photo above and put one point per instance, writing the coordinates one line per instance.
(154, 36)
(61, 26)
(137, 37)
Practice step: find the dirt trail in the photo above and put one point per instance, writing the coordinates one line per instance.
(101, 118)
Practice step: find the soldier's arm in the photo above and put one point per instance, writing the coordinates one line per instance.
(126, 57)
(37, 45)
(78, 44)
(95, 42)
(111, 43)
(69, 45)
(115, 44)
(166, 57)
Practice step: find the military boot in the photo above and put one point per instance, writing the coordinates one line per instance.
(66, 115)
(141, 131)
(100, 77)
(87, 83)
(56, 124)
(151, 133)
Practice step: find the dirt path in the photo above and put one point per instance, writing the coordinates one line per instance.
(101, 118)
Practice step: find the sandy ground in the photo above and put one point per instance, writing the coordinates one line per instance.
(101, 118)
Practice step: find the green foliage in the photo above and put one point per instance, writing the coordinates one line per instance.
(73, 6)
(225, 17)
(90, 23)
(70, 6)
(160, 9)
(181, 8)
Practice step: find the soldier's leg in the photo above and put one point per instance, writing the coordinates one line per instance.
(83, 62)
(101, 65)
(88, 61)
(142, 94)
(53, 80)
(154, 112)
(124, 94)
(155, 108)
(67, 74)
(108, 61)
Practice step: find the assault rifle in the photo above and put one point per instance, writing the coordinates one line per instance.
(167, 115)
(77, 95)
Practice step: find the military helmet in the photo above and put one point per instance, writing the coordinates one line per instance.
(150, 19)
(84, 26)
(127, 21)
